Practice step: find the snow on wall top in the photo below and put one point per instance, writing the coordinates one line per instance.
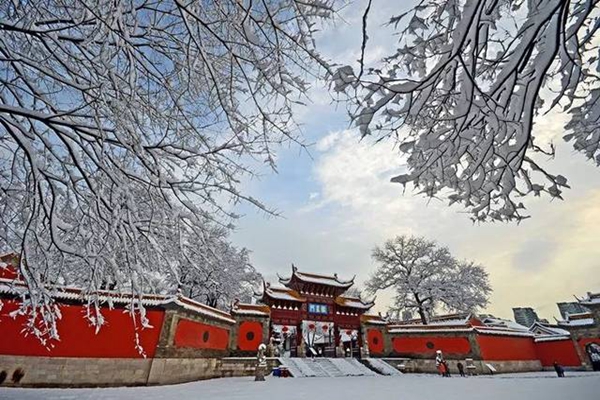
(111, 297)
(441, 320)
(551, 338)
(424, 329)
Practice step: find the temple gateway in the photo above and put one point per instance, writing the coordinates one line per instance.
(309, 315)
(312, 316)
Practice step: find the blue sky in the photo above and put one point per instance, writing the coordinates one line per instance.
(338, 203)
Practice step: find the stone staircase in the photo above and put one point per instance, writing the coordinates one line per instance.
(325, 367)
(381, 366)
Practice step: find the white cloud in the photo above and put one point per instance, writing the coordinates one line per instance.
(539, 262)
(352, 206)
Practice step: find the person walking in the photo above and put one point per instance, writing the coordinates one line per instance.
(440, 364)
(461, 369)
(560, 371)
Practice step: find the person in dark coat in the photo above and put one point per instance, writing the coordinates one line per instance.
(560, 371)
(461, 368)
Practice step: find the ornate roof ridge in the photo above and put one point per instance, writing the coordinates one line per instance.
(316, 276)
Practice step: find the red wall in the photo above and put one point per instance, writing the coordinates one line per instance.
(116, 338)
(561, 351)
(375, 341)
(250, 335)
(200, 336)
(448, 345)
(506, 348)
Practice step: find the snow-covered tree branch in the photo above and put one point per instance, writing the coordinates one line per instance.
(464, 88)
(125, 127)
(426, 276)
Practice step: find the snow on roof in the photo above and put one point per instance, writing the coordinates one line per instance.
(354, 302)
(503, 323)
(200, 308)
(577, 322)
(111, 297)
(328, 280)
(251, 309)
(548, 330)
(578, 319)
(582, 315)
(592, 298)
(373, 319)
(283, 294)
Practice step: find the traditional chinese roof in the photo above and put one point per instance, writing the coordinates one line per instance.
(579, 319)
(373, 319)
(9, 258)
(283, 294)
(591, 299)
(354, 302)
(250, 309)
(316, 279)
(546, 331)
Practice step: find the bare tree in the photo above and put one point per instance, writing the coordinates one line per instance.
(463, 89)
(426, 276)
(125, 125)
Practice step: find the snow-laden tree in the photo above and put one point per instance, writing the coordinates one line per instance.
(464, 86)
(219, 277)
(426, 277)
(125, 126)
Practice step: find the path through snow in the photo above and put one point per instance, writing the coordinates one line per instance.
(541, 386)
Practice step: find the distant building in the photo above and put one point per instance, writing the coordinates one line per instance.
(525, 316)
(573, 307)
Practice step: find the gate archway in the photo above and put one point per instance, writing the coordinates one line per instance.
(593, 352)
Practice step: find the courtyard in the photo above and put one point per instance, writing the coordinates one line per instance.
(528, 386)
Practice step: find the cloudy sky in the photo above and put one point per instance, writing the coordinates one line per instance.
(337, 202)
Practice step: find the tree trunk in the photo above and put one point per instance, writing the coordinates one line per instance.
(423, 315)
(421, 310)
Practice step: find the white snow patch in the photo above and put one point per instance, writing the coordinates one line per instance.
(543, 386)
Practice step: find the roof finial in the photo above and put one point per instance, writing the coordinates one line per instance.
(294, 269)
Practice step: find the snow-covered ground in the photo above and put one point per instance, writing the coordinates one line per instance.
(544, 386)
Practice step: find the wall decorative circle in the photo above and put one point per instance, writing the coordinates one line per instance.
(250, 335)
